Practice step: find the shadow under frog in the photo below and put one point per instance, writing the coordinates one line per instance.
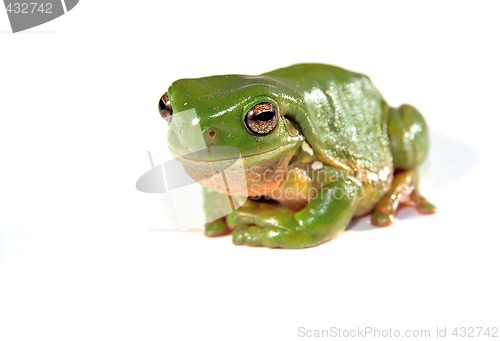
(442, 169)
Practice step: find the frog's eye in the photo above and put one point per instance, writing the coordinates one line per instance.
(262, 118)
(165, 108)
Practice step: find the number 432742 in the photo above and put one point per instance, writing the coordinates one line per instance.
(475, 332)
(29, 7)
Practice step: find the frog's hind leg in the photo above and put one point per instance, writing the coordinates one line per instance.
(403, 192)
(409, 138)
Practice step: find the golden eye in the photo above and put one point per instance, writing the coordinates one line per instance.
(165, 108)
(262, 118)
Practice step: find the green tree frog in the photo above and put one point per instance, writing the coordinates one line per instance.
(319, 145)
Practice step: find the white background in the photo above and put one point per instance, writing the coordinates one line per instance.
(80, 254)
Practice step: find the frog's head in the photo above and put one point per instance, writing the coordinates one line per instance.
(215, 121)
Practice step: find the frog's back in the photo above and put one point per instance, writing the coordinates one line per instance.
(344, 116)
(313, 74)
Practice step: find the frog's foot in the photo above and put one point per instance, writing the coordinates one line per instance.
(273, 237)
(217, 228)
(403, 192)
(269, 225)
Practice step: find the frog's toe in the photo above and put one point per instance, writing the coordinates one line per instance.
(277, 237)
(422, 205)
(381, 219)
(253, 235)
(248, 235)
(240, 217)
(273, 237)
(427, 208)
(216, 228)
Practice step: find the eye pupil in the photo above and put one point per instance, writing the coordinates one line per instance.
(265, 116)
(262, 118)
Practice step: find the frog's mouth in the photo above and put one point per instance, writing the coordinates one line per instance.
(236, 174)
(220, 154)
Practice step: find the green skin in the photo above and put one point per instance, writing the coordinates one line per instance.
(338, 150)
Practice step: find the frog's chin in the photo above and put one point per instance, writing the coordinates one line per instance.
(248, 175)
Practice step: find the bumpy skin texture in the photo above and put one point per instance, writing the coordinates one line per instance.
(338, 151)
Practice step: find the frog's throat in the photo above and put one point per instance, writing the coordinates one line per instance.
(249, 175)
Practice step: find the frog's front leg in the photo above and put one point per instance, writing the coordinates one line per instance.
(325, 216)
(216, 206)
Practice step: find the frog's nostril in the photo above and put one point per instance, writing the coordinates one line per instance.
(165, 108)
(211, 135)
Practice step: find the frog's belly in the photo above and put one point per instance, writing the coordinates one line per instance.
(296, 191)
